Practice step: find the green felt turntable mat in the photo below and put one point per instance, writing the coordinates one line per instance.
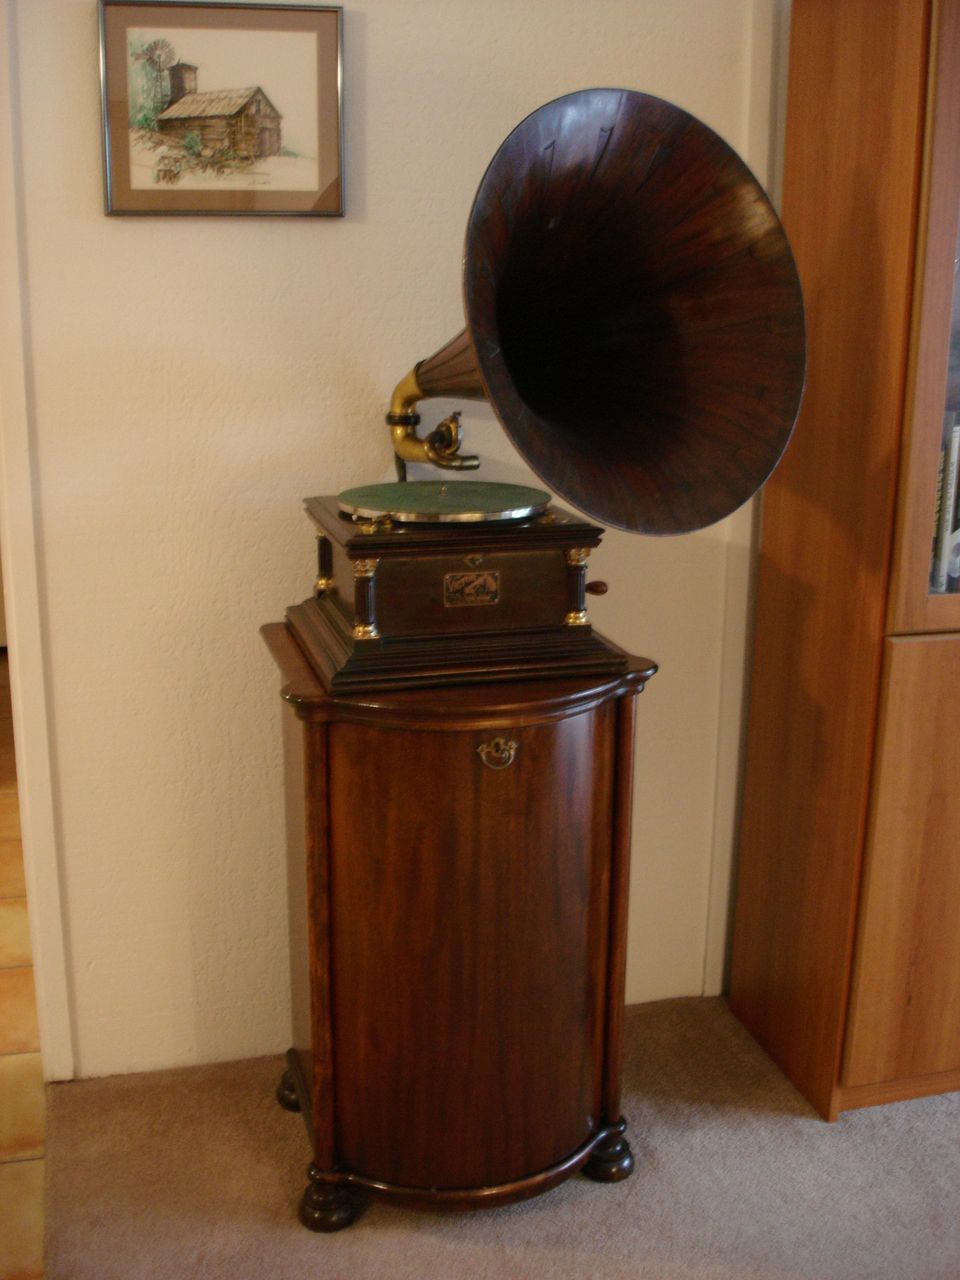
(439, 501)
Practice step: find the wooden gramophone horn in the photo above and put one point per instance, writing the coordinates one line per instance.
(633, 315)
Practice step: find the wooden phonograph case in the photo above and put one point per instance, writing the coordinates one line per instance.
(459, 738)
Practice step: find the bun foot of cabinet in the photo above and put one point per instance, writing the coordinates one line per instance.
(458, 874)
(326, 1206)
(287, 1093)
(611, 1159)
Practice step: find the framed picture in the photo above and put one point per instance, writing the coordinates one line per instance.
(221, 108)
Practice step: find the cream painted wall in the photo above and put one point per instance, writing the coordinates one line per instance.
(187, 382)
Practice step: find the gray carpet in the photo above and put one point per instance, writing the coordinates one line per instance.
(197, 1173)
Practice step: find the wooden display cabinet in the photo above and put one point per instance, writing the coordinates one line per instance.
(458, 885)
(847, 927)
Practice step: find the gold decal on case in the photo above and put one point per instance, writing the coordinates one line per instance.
(471, 588)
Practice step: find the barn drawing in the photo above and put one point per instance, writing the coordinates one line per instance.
(241, 121)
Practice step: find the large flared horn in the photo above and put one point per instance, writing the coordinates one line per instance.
(633, 312)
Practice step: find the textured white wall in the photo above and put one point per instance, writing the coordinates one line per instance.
(190, 380)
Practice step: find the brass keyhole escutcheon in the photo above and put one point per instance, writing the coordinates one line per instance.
(497, 754)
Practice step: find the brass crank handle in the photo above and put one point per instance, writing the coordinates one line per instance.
(497, 754)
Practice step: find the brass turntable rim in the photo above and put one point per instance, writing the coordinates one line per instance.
(444, 502)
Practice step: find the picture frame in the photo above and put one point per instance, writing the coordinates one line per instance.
(267, 140)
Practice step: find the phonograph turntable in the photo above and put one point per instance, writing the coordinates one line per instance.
(634, 317)
(437, 583)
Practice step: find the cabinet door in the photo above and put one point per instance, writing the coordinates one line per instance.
(905, 1004)
(470, 909)
(925, 593)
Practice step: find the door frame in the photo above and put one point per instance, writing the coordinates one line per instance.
(24, 590)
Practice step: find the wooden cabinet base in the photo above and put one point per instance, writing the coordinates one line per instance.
(458, 868)
(334, 1198)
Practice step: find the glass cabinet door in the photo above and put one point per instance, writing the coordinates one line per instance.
(925, 589)
(945, 553)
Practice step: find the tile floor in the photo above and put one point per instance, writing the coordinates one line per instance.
(21, 1078)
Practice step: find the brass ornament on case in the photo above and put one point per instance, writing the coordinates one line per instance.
(499, 753)
(364, 568)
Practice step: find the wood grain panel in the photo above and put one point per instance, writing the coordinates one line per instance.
(905, 1002)
(299, 877)
(852, 167)
(470, 953)
(619, 904)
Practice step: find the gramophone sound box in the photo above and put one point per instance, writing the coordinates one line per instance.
(459, 740)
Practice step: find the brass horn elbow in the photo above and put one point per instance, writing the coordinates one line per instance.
(403, 419)
(403, 402)
(441, 446)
